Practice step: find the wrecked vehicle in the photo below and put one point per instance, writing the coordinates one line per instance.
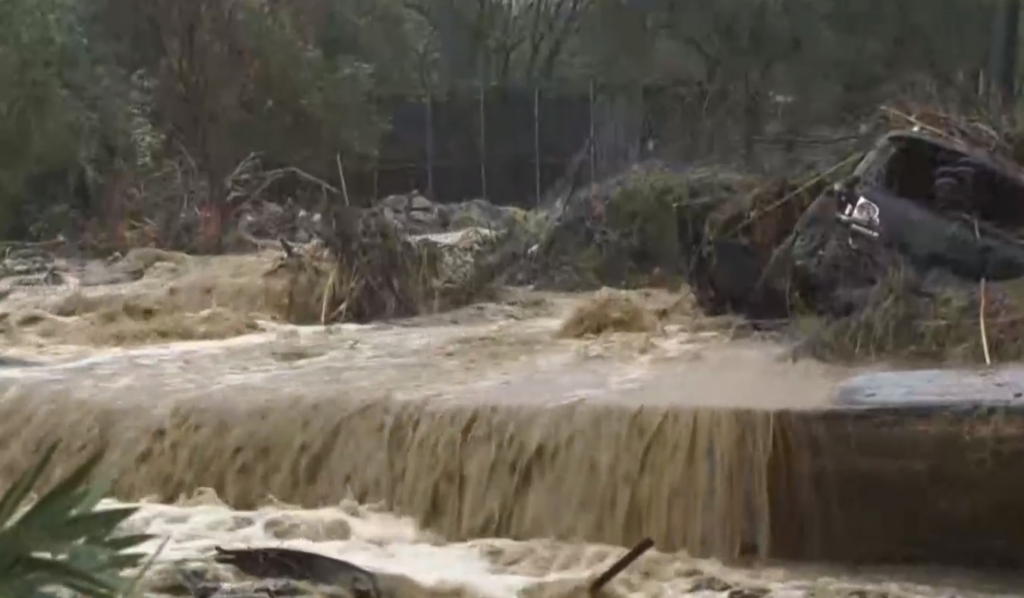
(941, 209)
(939, 203)
(934, 203)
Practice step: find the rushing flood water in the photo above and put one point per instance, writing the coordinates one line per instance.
(413, 563)
(478, 423)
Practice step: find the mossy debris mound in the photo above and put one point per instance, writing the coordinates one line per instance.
(633, 230)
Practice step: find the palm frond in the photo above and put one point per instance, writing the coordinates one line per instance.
(64, 540)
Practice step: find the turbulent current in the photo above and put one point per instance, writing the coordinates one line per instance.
(469, 454)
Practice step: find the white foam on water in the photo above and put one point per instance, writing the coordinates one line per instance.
(376, 541)
(432, 362)
(389, 544)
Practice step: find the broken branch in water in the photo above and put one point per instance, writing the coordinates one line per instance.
(341, 179)
(304, 175)
(52, 243)
(620, 565)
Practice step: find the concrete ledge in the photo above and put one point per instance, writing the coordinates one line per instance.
(899, 467)
(934, 388)
(910, 466)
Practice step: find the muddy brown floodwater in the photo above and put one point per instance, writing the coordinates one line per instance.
(409, 447)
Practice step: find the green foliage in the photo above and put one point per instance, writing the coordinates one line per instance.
(305, 107)
(666, 214)
(63, 540)
(644, 211)
(42, 122)
(93, 91)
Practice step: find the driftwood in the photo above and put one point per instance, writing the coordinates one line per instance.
(620, 565)
(49, 244)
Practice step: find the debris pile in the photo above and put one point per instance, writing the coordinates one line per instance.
(909, 250)
(370, 268)
(629, 229)
(417, 215)
(918, 254)
(654, 226)
(932, 213)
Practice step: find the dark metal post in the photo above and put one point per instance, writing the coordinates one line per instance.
(483, 140)
(430, 146)
(536, 144)
(593, 136)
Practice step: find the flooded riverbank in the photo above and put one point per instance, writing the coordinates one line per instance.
(414, 563)
(410, 447)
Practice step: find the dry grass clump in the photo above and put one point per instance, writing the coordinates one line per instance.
(295, 287)
(609, 311)
(643, 311)
(904, 320)
(387, 276)
(990, 131)
(372, 271)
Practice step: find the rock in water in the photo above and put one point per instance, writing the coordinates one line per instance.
(14, 362)
(284, 563)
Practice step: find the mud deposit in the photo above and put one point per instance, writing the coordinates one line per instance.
(404, 446)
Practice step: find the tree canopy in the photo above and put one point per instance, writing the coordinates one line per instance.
(96, 93)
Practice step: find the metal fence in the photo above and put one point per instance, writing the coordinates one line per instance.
(506, 144)
(512, 144)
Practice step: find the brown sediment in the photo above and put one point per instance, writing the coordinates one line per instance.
(176, 298)
(495, 429)
(681, 476)
(490, 429)
(718, 482)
